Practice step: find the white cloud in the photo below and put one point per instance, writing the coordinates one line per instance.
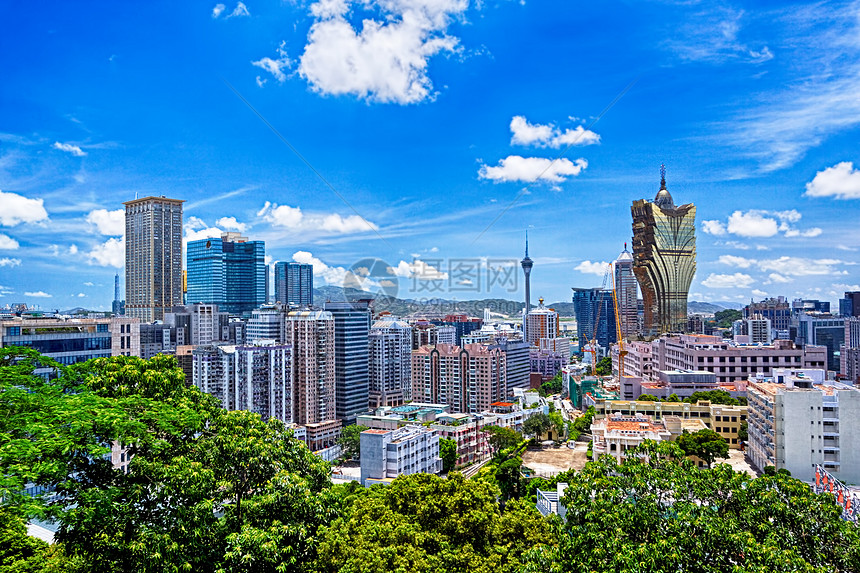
(799, 266)
(73, 249)
(89, 284)
(331, 275)
(81, 295)
(195, 223)
(111, 223)
(386, 60)
(813, 232)
(8, 262)
(525, 133)
(69, 148)
(841, 181)
(19, 209)
(714, 227)
(736, 280)
(711, 35)
(418, 269)
(239, 10)
(217, 10)
(37, 294)
(111, 253)
(778, 278)
(232, 224)
(7, 243)
(592, 268)
(753, 223)
(528, 169)
(758, 292)
(295, 220)
(207, 233)
(740, 262)
(276, 66)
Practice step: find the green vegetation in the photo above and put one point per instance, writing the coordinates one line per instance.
(553, 386)
(725, 318)
(714, 396)
(502, 438)
(673, 398)
(350, 441)
(648, 398)
(604, 366)
(537, 425)
(448, 453)
(706, 444)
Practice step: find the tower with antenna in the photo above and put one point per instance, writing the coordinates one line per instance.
(118, 306)
(527, 265)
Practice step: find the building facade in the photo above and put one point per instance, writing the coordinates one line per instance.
(310, 333)
(467, 378)
(351, 357)
(541, 322)
(229, 271)
(664, 259)
(294, 284)
(153, 257)
(387, 454)
(626, 289)
(390, 363)
(595, 317)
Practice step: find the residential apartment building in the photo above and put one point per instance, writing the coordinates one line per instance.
(267, 323)
(387, 454)
(390, 363)
(541, 322)
(310, 333)
(469, 379)
(800, 423)
(153, 257)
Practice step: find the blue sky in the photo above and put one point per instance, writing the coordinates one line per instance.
(428, 121)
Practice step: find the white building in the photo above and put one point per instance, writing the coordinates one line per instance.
(616, 434)
(387, 454)
(390, 368)
(267, 323)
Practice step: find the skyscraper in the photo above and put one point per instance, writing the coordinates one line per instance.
(527, 265)
(153, 257)
(229, 272)
(595, 316)
(390, 370)
(294, 284)
(351, 331)
(664, 258)
(311, 336)
(625, 293)
(118, 305)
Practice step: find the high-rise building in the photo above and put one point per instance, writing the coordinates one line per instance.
(820, 328)
(118, 305)
(595, 317)
(153, 257)
(664, 258)
(625, 294)
(468, 379)
(351, 331)
(541, 322)
(849, 305)
(294, 284)
(775, 309)
(311, 335)
(527, 265)
(390, 370)
(229, 271)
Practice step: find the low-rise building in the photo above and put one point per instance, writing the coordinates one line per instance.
(616, 433)
(387, 454)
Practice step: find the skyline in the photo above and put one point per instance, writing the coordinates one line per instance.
(434, 134)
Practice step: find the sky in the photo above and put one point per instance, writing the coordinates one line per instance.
(408, 145)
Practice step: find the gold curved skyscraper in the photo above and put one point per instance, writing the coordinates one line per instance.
(664, 259)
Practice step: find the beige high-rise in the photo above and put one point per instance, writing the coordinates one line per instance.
(311, 334)
(153, 257)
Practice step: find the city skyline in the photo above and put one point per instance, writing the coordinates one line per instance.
(418, 171)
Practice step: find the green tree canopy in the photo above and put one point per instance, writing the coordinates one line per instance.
(604, 366)
(714, 396)
(552, 386)
(502, 438)
(706, 444)
(647, 398)
(350, 441)
(725, 318)
(448, 453)
(537, 425)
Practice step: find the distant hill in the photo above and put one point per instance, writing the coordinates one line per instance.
(696, 307)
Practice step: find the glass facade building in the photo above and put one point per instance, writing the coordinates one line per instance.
(229, 272)
(351, 358)
(664, 259)
(294, 284)
(595, 317)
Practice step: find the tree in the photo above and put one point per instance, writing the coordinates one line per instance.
(510, 479)
(448, 453)
(502, 438)
(743, 434)
(350, 441)
(604, 366)
(557, 423)
(714, 396)
(537, 425)
(726, 317)
(705, 444)
(553, 386)
(647, 398)
(19, 552)
(673, 398)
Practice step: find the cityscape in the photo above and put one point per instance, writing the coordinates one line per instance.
(234, 337)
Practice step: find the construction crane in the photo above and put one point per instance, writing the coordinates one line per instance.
(619, 334)
(592, 345)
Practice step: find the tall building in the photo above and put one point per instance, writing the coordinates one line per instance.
(229, 271)
(775, 309)
(664, 258)
(390, 364)
(311, 335)
(821, 328)
(625, 294)
(468, 379)
(387, 454)
(153, 257)
(294, 284)
(849, 305)
(351, 331)
(542, 322)
(72, 340)
(527, 265)
(595, 316)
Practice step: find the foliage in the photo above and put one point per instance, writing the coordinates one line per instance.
(423, 523)
(350, 441)
(604, 366)
(589, 453)
(725, 318)
(648, 398)
(553, 386)
(502, 438)
(743, 435)
(714, 396)
(660, 515)
(207, 489)
(705, 444)
(583, 423)
(557, 423)
(19, 552)
(537, 425)
(673, 398)
(448, 453)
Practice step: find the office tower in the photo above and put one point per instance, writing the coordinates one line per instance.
(541, 322)
(311, 335)
(595, 317)
(517, 364)
(268, 297)
(294, 284)
(625, 293)
(850, 304)
(267, 323)
(351, 330)
(72, 340)
(527, 265)
(664, 258)
(390, 369)
(118, 305)
(229, 271)
(153, 257)
(253, 378)
(821, 329)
